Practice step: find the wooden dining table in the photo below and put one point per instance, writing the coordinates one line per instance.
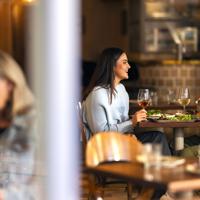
(175, 179)
(177, 126)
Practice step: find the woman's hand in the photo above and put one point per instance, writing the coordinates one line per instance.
(139, 116)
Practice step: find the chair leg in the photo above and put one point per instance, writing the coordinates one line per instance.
(92, 187)
(95, 190)
(129, 191)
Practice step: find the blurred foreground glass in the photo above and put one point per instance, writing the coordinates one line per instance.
(184, 97)
(152, 155)
(143, 98)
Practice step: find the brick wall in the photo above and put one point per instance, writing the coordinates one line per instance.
(164, 77)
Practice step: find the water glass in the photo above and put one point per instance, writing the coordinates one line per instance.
(146, 153)
(171, 96)
(154, 98)
(152, 155)
(157, 154)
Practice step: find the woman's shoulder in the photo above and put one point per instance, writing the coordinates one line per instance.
(121, 87)
(98, 95)
(100, 91)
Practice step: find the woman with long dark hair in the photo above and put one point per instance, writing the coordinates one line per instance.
(106, 102)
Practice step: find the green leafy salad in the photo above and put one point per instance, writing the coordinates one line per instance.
(183, 117)
(157, 114)
(154, 112)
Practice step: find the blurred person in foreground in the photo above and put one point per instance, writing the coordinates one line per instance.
(17, 132)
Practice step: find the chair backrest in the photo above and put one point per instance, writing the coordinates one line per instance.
(111, 146)
(83, 137)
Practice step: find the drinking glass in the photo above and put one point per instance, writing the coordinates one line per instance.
(143, 98)
(171, 97)
(153, 98)
(152, 154)
(157, 154)
(184, 97)
(147, 155)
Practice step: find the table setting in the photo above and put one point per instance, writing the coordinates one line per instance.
(161, 116)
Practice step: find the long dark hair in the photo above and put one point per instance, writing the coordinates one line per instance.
(103, 75)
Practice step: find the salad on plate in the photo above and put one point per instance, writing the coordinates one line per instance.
(178, 116)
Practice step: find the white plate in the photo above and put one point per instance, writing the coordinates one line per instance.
(166, 161)
(172, 161)
(167, 120)
(154, 117)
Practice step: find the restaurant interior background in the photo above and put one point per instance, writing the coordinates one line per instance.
(161, 38)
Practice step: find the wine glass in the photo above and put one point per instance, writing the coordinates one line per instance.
(143, 98)
(184, 97)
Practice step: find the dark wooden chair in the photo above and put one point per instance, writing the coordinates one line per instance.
(83, 137)
(97, 183)
(110, 147)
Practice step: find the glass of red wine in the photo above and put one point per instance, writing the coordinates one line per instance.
(143, 98)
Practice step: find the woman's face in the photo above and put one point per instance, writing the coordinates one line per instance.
(5, 90)
(121, 68)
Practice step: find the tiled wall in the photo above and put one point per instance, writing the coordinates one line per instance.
(164, 77)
